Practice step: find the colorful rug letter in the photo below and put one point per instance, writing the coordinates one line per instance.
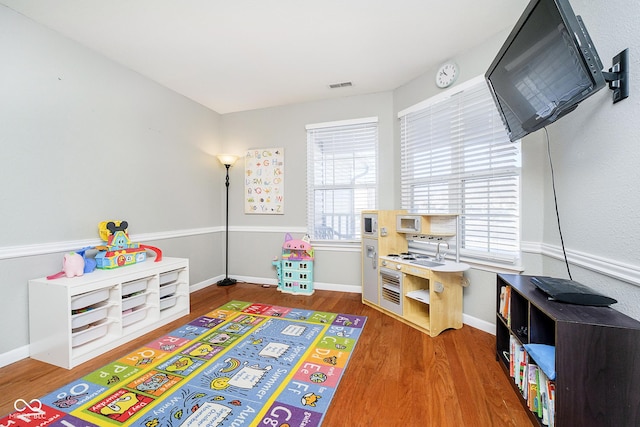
(243, 364)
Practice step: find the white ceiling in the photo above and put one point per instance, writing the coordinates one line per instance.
(236, 55)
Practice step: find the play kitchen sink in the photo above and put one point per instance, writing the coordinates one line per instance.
(426, 262)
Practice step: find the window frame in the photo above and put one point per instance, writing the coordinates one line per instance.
(460, 178)
(341, 128)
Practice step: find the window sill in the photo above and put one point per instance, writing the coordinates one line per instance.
(336, 245)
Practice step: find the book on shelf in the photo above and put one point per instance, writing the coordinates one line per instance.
(518, 361)
(552, 403)
(505, 304)
(534, 385)
(534, 389)
(512, 355)
(544, 399)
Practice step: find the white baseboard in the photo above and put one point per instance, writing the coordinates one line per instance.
(483, 325)
(14, 355)
(338, 288)
(317, 285)
(204, 284)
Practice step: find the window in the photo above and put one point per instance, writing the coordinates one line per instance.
(342, 170)
(456, 157)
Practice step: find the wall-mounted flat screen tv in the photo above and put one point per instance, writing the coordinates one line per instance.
(545, 68)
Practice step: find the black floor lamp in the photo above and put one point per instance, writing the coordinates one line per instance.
(227, 160)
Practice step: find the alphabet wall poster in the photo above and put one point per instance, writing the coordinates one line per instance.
(264, 181)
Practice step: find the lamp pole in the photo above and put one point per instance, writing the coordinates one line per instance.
(227, 280)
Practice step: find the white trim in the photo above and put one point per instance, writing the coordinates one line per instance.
(337, 287)
(531, 247)
(441, 96)
(349, 122)
(175, 234)
(608, 267)
(8, 252)
(493, 267)
(274, 282)
(14, 355)
(338, 246)
(355, 289)
(261, 229)
(256, 280)
(205, 283)
(23, 251)
(483, 325)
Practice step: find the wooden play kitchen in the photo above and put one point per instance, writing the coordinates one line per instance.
(421, 291)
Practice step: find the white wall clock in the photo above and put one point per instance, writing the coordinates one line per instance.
(447, 74)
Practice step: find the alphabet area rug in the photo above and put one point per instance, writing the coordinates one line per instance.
(243, 364)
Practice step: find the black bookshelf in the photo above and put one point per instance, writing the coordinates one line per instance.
(597, 354)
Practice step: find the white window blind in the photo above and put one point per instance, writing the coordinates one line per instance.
(342, 178)
(456, 157)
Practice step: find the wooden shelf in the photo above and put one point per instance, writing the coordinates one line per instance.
(597, 354)
(421, 295)
(419, 316)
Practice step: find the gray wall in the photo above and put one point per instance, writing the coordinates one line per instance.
(85, 140)
(258, 238)
(596, 155)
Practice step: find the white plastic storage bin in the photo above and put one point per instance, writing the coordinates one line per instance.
(168, 302)
(169, 277)
(134, 286)
(90, 298)
(135, 315)
(134, 300)
(93, 332)
(93, 314)
(167, 290)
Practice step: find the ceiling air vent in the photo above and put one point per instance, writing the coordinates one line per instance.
(338, 85)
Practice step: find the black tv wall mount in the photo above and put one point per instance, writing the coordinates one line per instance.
(618, 76)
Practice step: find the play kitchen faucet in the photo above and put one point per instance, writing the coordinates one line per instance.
(440, 255)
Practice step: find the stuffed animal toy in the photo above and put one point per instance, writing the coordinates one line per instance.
(72, 265)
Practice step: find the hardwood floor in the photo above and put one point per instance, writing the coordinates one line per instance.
(397, 375)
